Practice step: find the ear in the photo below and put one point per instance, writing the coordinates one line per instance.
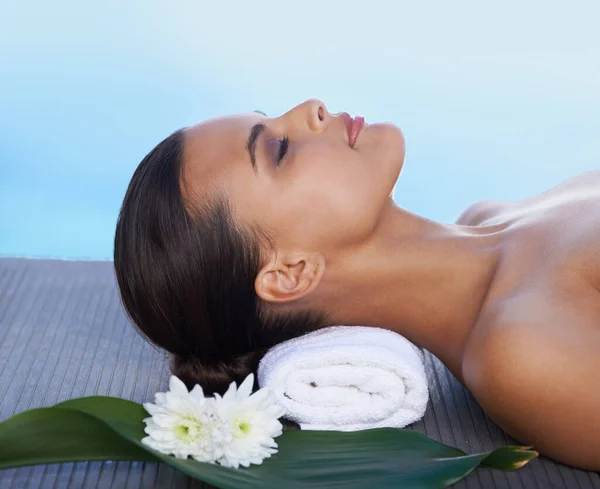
(290, 278)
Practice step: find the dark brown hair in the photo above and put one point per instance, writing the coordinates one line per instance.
(186, 277)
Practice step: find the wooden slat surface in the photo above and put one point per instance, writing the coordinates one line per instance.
(63, 334)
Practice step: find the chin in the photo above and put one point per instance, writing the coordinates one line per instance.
(397, 134)
(389, 135)
(395, 144)
(387, 142)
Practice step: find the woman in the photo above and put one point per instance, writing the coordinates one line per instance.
(244, 231)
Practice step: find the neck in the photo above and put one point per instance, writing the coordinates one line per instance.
(424, 280)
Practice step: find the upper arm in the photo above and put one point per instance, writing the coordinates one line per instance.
(544, 392)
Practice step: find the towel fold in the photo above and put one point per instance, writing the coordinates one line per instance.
(347, 378)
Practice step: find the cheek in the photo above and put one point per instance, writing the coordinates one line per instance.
(338, 204)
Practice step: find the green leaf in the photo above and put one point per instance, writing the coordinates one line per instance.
(109, 428)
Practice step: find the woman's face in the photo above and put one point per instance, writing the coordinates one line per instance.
(322, 196)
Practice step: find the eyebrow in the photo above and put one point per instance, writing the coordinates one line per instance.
(255, 132)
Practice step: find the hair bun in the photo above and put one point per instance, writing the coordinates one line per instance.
(216, 377)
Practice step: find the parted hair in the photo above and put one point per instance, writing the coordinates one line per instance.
(186, 274)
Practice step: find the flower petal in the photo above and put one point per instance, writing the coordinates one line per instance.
(177, 387)
(245, 388)
(197, 394)
(152, 409)
(231, 393)
(160, 398)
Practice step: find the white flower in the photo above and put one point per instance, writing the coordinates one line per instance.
(251, 422)
(234, 429)
(183, 423)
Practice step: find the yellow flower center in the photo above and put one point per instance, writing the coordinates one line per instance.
(188, 430)
(242, 428)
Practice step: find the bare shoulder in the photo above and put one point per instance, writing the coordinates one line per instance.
(586, 181)
(591, 177)
(537, 377)
(478, 212)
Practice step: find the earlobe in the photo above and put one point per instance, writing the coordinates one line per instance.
(288, 282)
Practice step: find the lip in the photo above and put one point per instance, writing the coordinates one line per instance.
(353, 127)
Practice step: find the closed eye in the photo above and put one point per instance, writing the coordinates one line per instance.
(283, 147)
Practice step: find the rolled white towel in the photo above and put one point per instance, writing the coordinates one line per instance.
(347, 378)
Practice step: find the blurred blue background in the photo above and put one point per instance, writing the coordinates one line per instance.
(496, 100)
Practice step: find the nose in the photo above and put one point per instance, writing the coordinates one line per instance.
(317, 113)
(312, 112)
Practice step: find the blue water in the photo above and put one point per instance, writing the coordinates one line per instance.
(496, 102)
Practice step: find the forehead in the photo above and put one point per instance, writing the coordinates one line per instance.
(216, 147)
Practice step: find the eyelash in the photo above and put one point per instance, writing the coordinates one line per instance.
(283, 147)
